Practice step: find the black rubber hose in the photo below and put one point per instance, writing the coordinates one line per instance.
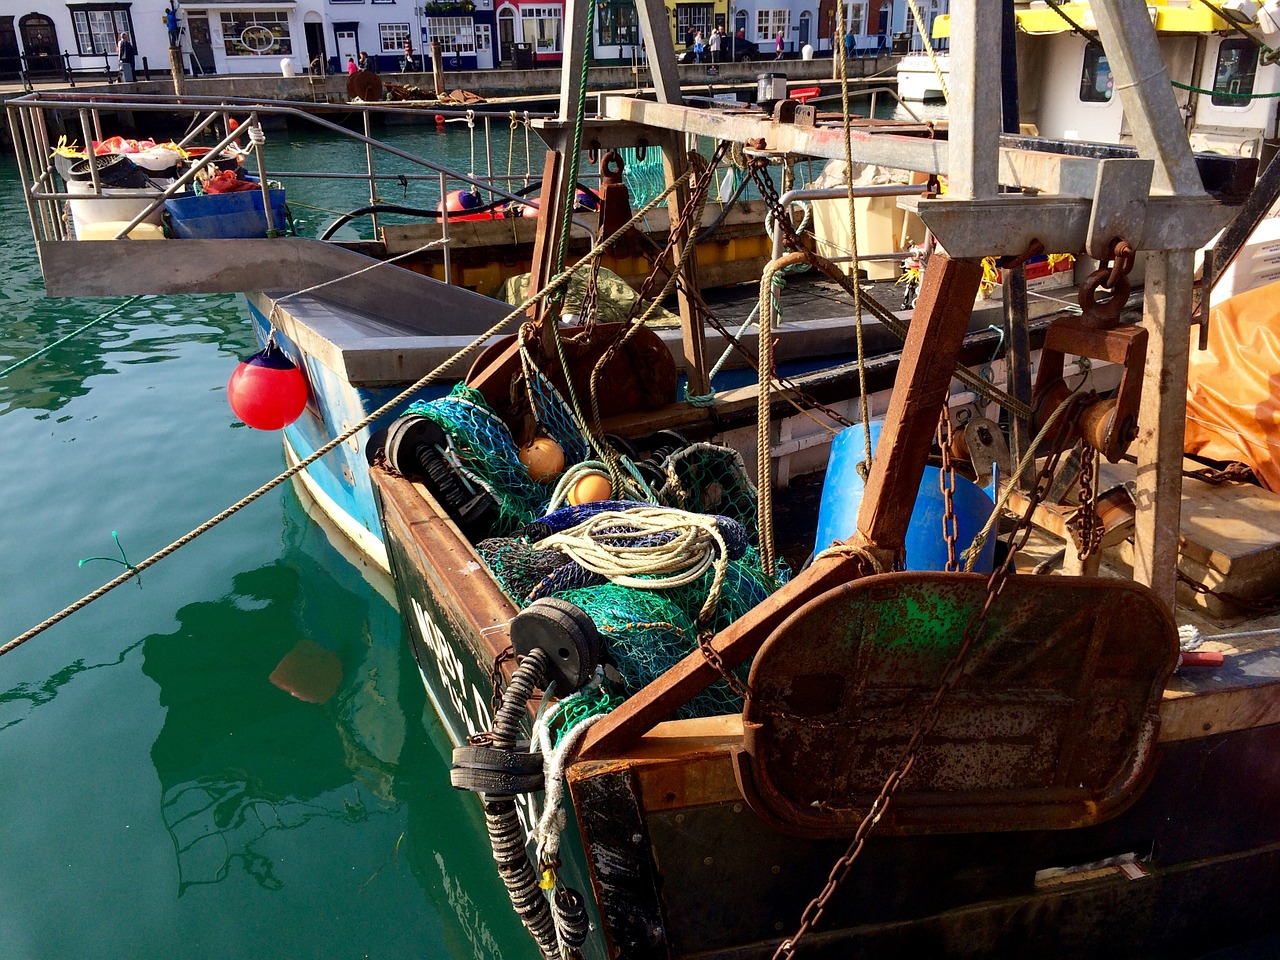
(427, 214)
(505, 835)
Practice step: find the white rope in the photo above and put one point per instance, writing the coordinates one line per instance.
(1190, 637)
(694, 546)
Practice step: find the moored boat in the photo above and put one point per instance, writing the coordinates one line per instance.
(937, 762)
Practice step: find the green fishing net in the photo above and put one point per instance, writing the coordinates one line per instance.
(480, 445)
(646, 178)
(646, 632)
(705, 478)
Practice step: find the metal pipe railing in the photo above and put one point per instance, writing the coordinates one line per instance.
(166, 103)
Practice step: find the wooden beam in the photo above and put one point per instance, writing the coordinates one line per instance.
(694, 338)
(929, 356)
(660, 49)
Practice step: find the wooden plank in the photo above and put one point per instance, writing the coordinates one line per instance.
(929, 355)
(1229, 534)
(694, 335)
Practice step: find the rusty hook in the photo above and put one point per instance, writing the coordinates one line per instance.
(642, 148)
(593, 151)
(612, 165)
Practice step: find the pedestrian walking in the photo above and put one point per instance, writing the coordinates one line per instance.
(777, 45)
(717, 37)
(127, 53)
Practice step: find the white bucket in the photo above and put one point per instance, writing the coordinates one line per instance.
(124, 204)
(288, 68)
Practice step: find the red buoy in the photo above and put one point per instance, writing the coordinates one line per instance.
(461, 202)
(268, 391)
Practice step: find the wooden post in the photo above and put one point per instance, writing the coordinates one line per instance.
(175, 68)
(693, 333)
(1166, 313)
(929, 355)
(437, 68)
(655, 25)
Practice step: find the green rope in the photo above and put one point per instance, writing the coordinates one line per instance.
(1223, 93)
(574, 156)
(45, 349)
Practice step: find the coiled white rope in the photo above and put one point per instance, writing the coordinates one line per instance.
(604, 544)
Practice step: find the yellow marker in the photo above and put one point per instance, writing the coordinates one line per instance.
(548, 880)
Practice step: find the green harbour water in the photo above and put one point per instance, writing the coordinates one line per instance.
(165, 790)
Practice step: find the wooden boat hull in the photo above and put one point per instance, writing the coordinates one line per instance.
(680, 866)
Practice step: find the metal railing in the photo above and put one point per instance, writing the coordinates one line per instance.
(33, 116)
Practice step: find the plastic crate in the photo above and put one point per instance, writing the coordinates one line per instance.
(224, 216)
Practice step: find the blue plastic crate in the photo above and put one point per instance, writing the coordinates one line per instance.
(224, 216)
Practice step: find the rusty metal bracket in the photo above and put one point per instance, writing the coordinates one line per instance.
(795, 112)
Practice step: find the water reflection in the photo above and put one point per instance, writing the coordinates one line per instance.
(283, 706)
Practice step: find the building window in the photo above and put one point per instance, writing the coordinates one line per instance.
(693, 16)
(98, 29)
(394, 36)
(1233, 78)
(541, 27)
(456, 35)
(256, 33)
(1095, 79)
(770, 23)
(855, 18)
(618, 23)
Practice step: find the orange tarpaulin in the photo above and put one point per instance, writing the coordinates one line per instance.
(1233, 387)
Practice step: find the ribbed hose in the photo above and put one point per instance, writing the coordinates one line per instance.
(517, 873)
(505, 835)
(570, 912)
(531, 673)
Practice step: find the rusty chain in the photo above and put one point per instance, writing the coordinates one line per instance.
(1085, 521)
(950, 676)
(947, 484)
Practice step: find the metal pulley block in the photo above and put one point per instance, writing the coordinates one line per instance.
(1108, 425)
(615, 199)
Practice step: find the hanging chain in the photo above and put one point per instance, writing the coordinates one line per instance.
(1085, 521)
(947, 484)
(924, 726)
(713, 657)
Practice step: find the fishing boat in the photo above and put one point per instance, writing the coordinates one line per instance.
(998, 764)
(917, 760)
(361, 334)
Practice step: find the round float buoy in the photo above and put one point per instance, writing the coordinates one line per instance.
(268, 391)
(543, 458)
(460, 201)
(440, 120)
(589, 489)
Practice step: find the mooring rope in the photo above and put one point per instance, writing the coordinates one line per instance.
(74, 333)
(555, 284)
(619, 545)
